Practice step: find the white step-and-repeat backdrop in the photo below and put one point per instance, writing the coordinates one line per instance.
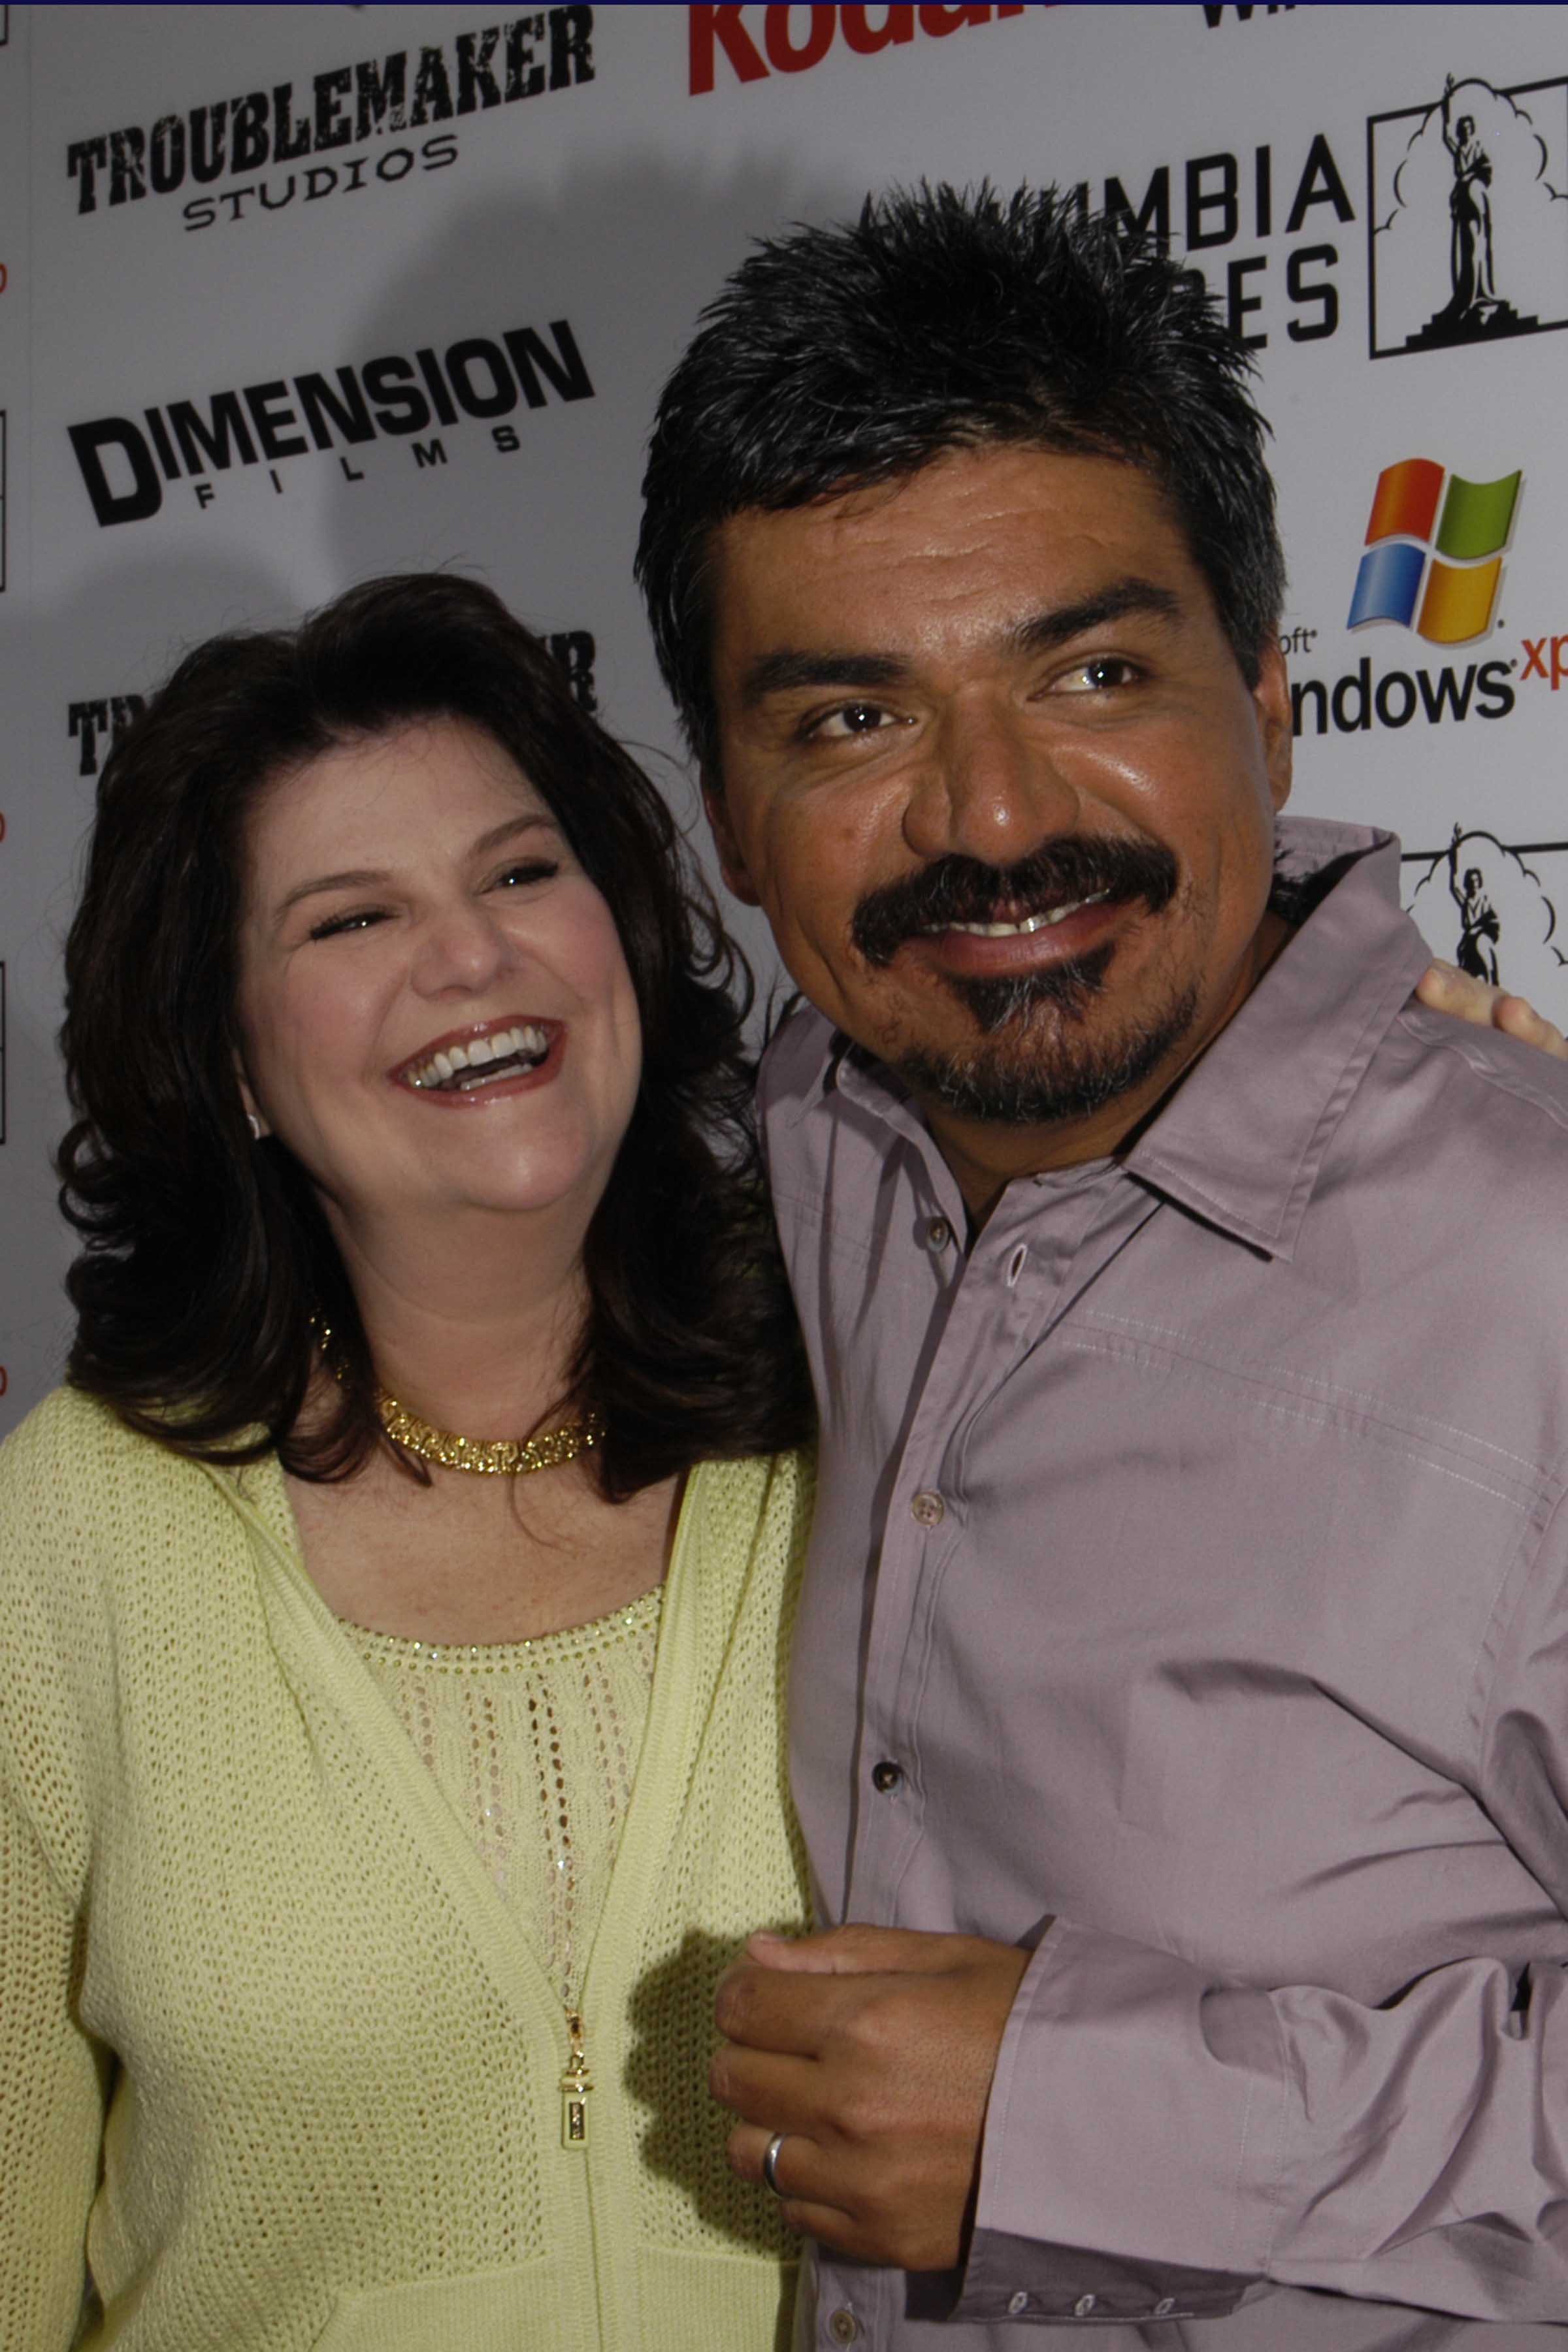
(291, 296)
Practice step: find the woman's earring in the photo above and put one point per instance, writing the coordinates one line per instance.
(256, 1129)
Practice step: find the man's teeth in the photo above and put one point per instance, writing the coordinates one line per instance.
(457, 1070)
(1029, 923)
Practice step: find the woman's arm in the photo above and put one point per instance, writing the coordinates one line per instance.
(51, 2105)
(51, 2071)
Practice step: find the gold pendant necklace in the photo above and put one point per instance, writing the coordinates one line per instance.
(495, 1457)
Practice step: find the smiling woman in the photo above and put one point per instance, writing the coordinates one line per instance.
(476, 925)
(374, 1827)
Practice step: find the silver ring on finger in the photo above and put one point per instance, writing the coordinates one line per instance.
(771, 2162)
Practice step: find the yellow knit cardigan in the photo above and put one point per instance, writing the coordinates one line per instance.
(275, 2061)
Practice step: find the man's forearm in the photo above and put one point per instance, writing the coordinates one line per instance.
(1156, 2135)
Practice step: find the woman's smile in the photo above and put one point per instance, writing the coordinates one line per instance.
(419, 932)
(487, 1061)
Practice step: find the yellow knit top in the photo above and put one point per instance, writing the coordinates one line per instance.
(279, 2066)
(534, 1744)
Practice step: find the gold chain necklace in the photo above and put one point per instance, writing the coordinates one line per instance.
(494, 1457)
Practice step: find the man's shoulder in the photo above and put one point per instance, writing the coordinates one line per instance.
(1464, 1133)
(1483, 1088)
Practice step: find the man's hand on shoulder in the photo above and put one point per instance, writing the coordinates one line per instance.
(1442, 989)
(871, 2050)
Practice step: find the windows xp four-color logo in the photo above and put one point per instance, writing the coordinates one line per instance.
(1435, 547)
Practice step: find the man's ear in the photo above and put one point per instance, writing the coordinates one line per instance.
(1275, 719)
(731, 864)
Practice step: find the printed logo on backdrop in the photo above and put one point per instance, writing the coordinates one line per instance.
(126, 462)
(1491, 908)
(1215, 17)
(1467, 213)
(1421, 516)
(756, 43)
(270, 133)
(1432, 567)
(1291, 203)
(4, 26)
(95, 724)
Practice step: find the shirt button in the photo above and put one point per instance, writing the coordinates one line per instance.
(886, 1776)
(929, 1509)
(844, 2327)
(1165, 2308)
(1016, 2303)
(1084, 2305)
(939, 1233)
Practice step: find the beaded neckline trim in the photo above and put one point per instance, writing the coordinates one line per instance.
(499, 1657)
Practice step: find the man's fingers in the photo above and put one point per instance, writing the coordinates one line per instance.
(782, 1997)
(761, 2087)
(766, 2009)
(798, 2168)
(896, 2048)
(798, 2172)
(792, 1954)
(860, 1950)
(819, 2199)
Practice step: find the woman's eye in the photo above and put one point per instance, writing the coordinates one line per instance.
(529, 869)
(334, 924)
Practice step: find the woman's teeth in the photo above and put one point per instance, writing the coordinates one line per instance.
(459, 1070)
(1028, 923)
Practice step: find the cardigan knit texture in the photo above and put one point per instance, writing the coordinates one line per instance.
(279, 2067)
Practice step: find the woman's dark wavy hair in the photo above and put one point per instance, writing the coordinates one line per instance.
(943, 320)
(206, 1256)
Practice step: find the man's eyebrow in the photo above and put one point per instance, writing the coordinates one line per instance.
(779, 672)
(788, 668)
(368, 878)
(1121, 599)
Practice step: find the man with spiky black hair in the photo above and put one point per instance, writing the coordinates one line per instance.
(1177, 1712)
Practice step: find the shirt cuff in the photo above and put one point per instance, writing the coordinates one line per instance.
(1132, 2129)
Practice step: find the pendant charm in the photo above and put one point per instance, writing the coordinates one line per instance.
(576, 2089)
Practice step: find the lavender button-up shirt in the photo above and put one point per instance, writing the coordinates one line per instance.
(1190, 1568)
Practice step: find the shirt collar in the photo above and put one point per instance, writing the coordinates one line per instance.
(1241, 1141)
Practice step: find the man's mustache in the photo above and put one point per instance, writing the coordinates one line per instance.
(958, 889)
